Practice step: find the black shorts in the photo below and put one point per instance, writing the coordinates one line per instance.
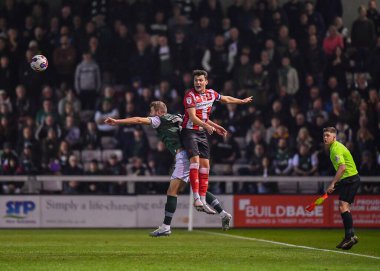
(195, 143)
(348, 187)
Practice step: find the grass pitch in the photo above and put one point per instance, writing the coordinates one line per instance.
(198, 250)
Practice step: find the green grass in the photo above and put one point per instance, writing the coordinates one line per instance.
(199, 250)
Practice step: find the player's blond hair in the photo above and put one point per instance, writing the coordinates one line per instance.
(329, 130)
(159, 106)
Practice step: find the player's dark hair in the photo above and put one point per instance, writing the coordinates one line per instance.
(199, 73)
(159, 106)
(330, 130)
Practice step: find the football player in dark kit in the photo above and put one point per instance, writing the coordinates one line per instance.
(168, 129)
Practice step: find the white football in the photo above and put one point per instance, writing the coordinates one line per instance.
(39, 63)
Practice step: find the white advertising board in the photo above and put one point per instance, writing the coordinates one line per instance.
(100, 212)
(88, 212)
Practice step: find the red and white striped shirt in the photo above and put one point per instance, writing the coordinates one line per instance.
(202, 103)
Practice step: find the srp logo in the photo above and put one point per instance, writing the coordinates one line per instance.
(19, 209)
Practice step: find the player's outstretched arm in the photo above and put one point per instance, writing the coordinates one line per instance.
(127, 121)
(218, 129)
(233, 100)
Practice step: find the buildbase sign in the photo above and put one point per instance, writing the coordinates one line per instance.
(276, 211)
(289, 211)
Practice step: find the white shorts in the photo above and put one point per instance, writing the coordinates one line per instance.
(182, 167)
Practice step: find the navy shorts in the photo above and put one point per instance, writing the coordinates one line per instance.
(195, 143)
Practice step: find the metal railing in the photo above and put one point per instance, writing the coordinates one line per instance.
(33, 182)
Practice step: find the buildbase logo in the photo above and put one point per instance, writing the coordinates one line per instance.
(278, 210)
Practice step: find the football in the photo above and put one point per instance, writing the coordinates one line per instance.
(39, 63)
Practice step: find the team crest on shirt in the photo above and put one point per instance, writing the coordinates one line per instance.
(188, 100)
(337, 158)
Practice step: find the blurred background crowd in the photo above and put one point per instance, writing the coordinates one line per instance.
(304, 66)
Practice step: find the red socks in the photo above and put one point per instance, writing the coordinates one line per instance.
(203, 181)
(194, 181)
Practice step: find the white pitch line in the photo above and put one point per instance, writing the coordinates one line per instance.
(288, 245)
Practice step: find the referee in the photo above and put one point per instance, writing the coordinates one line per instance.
(346, 182)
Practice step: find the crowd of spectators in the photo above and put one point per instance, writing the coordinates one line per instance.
(111, 58)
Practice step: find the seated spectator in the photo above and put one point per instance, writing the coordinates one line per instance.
(115, 167)
(282, 159)
(22, 105)
(256, 139)
(275, 123)
(282, 132)
(7, 131)
(317, 127)
(338, 112)
(139, 147)
(232, 119)
(106, 111)
(47, 109)
(71, 133)
(288, 77)
(109, 95)
(49, 147)
(5, 111)
(343, 132)
(267, 170)
(48, 124)
(69, 111)
(91, 139)
(255, 162)
(64, 152)
(5, 100)
(227, 150)
(365, 140)
(257, 125)
(94, 187)
(304, 162)
(27, 139)
(73, 168)
(162, 159)
(69, 98)
(9, 165)
(28, 162)
(304, 138)
(316, 110)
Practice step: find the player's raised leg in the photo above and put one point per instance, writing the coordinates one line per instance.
(214, 202)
